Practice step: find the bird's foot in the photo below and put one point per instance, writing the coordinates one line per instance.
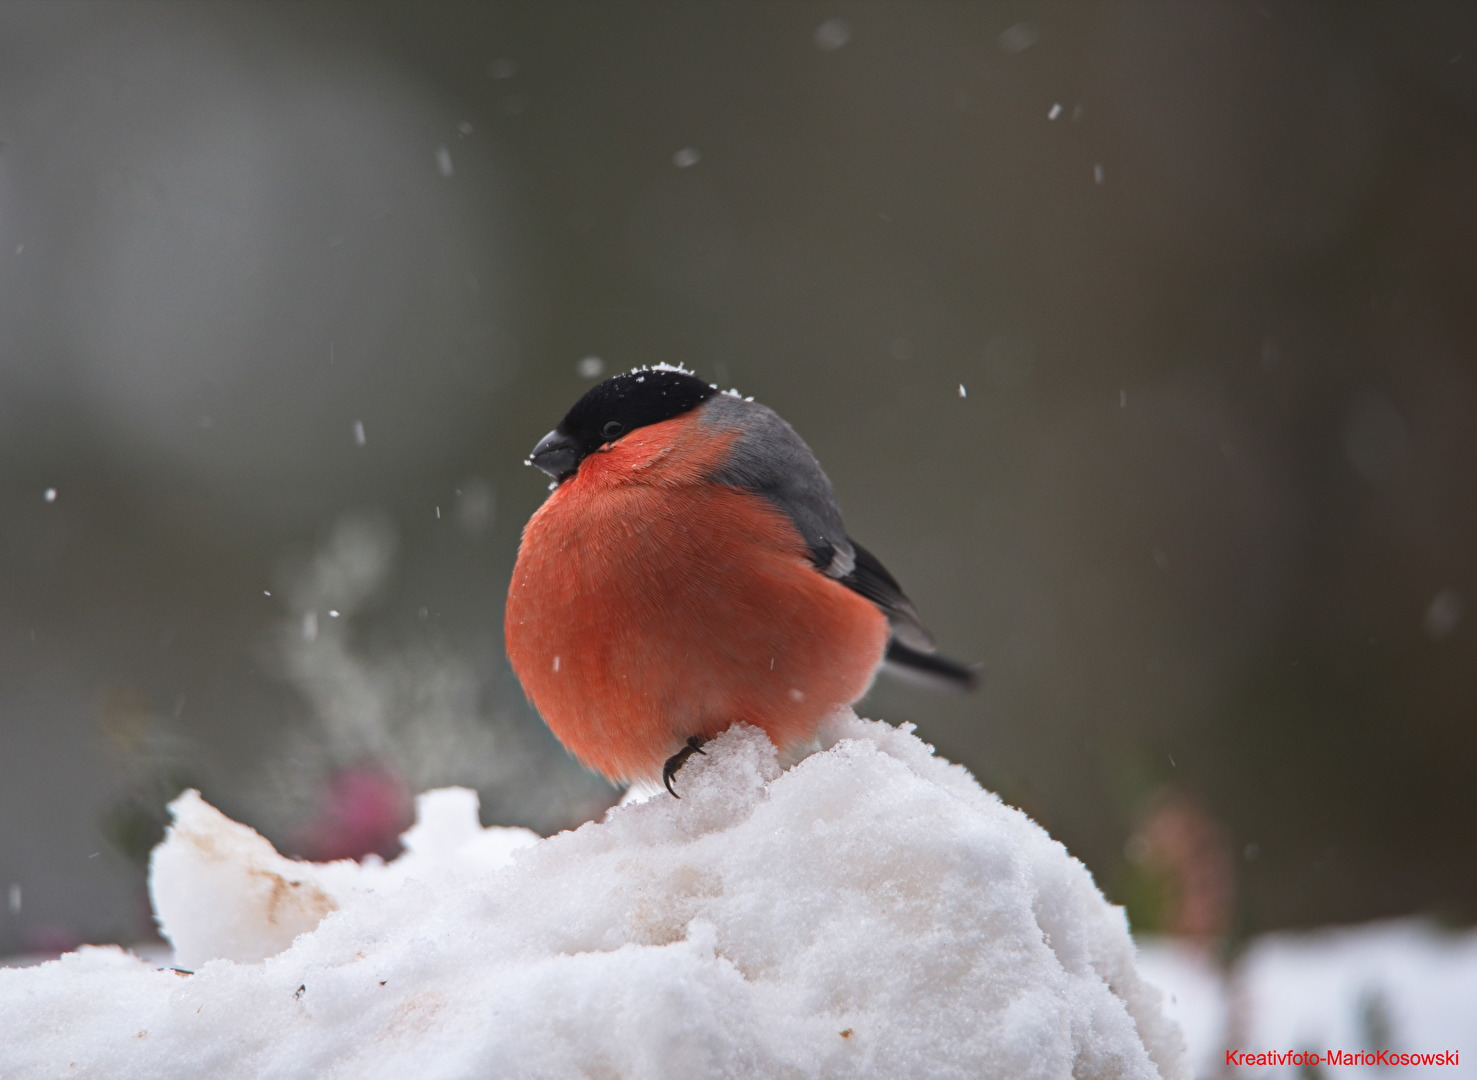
(677, 760)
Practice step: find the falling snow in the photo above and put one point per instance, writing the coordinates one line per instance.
(1018, 38)
(832, 34)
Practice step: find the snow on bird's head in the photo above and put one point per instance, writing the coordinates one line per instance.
(634, 399)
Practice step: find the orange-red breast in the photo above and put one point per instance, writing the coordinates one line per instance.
(690, 570)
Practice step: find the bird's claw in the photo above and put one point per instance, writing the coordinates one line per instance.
(677, 760)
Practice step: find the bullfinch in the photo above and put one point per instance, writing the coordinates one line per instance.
(689, 571)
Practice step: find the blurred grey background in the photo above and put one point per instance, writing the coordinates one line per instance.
(1138, 340)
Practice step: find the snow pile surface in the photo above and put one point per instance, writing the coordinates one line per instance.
(221, 891)
(869, 913)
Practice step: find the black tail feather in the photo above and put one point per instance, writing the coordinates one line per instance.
(930, 669)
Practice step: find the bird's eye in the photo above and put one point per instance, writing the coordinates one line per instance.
(612, 429)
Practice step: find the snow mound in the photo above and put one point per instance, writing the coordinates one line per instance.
(221, 892)
(871, 912)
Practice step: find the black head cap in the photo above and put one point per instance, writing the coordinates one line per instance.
(614, 408)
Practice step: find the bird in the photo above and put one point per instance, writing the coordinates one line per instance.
(690, 570)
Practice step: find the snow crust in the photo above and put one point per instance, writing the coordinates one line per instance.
(871, 912)
(221, 891)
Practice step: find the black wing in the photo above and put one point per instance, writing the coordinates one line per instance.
(772, 461)
(911, 652)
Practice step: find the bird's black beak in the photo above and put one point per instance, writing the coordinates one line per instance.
(557, 454)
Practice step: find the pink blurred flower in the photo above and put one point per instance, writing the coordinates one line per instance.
(363, 812)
